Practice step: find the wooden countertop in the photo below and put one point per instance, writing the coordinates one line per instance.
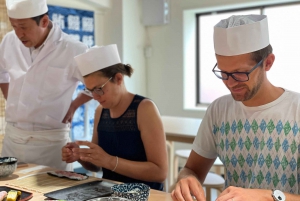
(29, 178)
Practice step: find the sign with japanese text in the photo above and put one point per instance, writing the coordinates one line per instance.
(79, 24)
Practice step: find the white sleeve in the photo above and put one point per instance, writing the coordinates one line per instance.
(204, 143)
(4, 75)
(76, 73)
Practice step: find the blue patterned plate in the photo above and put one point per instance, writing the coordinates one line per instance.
(132, 191)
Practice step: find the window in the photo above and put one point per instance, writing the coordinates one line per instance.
(284, 32)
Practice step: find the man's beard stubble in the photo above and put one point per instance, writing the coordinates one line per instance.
(249, 93)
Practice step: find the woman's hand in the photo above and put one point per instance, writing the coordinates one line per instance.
(93, 154)
(67, 153)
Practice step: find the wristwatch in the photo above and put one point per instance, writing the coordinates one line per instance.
(278, 195)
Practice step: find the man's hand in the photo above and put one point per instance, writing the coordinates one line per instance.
(186, 188)
(241, 194)
(4, 88)
(81, 99)
(69, 115)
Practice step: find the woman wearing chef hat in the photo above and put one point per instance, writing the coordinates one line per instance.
(128, 141)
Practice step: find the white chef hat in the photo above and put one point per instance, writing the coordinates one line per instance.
(21, 9)
(97, 58)
(241, 34)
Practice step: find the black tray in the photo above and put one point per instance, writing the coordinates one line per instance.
(83, 192)
(24, 194)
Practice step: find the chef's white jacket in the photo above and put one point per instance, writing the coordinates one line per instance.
(39, 96)
(40, 92)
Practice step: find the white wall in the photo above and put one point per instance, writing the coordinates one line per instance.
(133, 46)
(123, 27)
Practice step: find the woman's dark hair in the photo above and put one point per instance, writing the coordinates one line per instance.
(262, 53)
(111, 71)
(37, 19)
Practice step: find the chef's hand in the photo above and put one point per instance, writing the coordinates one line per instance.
(186, 187)
(94, 154)
(69, 115)
(67, 153)
(242, 194)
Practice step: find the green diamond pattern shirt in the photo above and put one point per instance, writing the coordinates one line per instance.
(259, 146)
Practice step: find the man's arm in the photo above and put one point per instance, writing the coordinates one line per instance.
(4, 89)
(81, 99)
(245, 194)
(291, 197)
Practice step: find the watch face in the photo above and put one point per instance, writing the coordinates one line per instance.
(278, 195)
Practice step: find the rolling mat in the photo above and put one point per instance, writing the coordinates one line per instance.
(44, 183)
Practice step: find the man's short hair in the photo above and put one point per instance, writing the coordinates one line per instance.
(262, 53)
(37, 19)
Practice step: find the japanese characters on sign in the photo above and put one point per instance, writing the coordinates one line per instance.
(79, 24)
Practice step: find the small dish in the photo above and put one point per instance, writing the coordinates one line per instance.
(132, 191)
(7, 166)
(25, 195)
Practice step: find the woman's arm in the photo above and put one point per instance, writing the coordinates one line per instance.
(153, 137)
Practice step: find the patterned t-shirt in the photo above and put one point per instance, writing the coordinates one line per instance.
(259, 146)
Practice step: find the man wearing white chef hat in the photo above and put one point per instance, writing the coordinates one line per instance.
(254, 131)
(37, 63)
(128, 141)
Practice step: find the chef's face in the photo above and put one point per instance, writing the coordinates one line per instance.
(29, 32)
(242, 91)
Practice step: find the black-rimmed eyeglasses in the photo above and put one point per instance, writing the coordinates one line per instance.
(238, 76)
(99, 91)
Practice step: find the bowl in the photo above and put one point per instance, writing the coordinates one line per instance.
(132, 191)
(7, 166)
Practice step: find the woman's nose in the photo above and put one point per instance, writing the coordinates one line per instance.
(96, 97)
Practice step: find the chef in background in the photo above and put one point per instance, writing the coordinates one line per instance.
(38, 77)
